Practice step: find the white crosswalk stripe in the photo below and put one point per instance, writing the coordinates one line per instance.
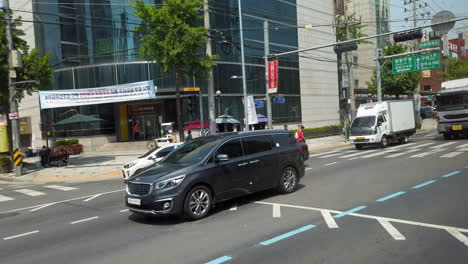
(402, 153)
(423, 154)
(423, 145)
(324, 153)
(463, 146)
(5, 198)
(30, 192)
(451, 154)
(62, 188)
(357, 154)
(443, 145)
(336, 154)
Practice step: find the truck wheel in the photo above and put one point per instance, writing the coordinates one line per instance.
(358, 146)
(404, 140)
(384, 142)
(447, 136)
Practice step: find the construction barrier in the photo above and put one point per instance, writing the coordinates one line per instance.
(17, 158)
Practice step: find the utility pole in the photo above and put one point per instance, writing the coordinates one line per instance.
(244, 76)
(211, 99)
(200, 102)
(266, 43)
(11, 85)
(378, 77)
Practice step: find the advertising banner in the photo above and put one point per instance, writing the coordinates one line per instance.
(4, 147)
(252, 114)
(102, 95)
(273, 76)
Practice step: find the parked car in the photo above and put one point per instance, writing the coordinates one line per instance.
(211, 169)
(152, 156)
(426, 112)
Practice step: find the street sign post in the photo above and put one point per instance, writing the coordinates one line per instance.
(429, 44)
(259, 104)
(272, 76)
(279, 100)
(423, 62)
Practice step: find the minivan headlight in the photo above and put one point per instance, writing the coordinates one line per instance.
(172, 182)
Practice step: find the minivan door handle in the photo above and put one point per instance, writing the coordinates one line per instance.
(254, 161)
(242, 164)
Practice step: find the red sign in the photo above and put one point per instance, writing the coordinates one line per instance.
(273, 76)
(13, 115)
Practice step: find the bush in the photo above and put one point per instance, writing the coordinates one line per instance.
(418, 125)
(66, 142)
(4, 160)
(318, 128)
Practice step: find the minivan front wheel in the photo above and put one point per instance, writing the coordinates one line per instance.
(288, 180)
(198, 203)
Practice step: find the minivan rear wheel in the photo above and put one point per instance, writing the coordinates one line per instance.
(198, 203)
(288, 180)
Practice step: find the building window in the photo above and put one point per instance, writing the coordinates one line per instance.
(427, 88)
(355, 61)
(356, 84)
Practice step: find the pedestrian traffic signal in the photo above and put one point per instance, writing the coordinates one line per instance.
(340, 48)
(409, 35)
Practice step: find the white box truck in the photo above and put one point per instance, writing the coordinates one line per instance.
(452, 109)
(383, 122)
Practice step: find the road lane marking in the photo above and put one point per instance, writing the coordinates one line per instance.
(329, 219)
(84, 220)
(355, 158)
(276, 211)
(401, 146)
(355, 209)
(92, 197)
(41, 207)
(328, 164)
(451, 154)
(124, 210)
(5, 198)
(395, 220)
(422, 145)
(443, 145)
(357, 154)
(423, 154)
(286, 235)
(423, 184)
(60, 187)
(234, 208)
(450, 174)
(402, 153)
(390, 196)
(458, 235)
(308, 168)
(391, 229)
(219, 260)
(463, 146)
(379, 153)
(21, 235)
(336, 154)
(62, 201)
(30, 192)
(324, 153)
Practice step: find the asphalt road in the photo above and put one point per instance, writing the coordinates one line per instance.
(404, 204)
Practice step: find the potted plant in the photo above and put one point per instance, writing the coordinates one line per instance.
(5, 164)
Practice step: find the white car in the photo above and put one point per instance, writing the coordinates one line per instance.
(152, 156)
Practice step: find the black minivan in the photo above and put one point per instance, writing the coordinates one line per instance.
(211, 169)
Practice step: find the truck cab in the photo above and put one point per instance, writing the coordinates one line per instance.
(452, 109)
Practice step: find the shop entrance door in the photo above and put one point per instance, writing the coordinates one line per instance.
(149, 127)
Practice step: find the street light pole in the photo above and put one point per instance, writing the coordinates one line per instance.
(266, 41)
(11, 85)
(244, 79)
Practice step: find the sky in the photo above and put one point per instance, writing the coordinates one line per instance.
(398, 14)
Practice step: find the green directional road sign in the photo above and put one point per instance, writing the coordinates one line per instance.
(423, 62)
(429, 44)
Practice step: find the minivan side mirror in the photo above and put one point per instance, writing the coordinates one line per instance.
(222, 157)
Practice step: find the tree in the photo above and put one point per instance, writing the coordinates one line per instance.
(394, 84)
(456, 69)
(174, 37)
(34, 66)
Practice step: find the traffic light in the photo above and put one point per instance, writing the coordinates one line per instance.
(340, 48)
(409, 35)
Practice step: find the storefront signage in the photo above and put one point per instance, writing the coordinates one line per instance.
(102, 95)
(191, 89)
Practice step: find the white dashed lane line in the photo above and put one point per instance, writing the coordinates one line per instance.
(84, 220)
(21, 235)
(328, 164)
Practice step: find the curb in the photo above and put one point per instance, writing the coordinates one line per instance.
(105, 176)
(328, 146)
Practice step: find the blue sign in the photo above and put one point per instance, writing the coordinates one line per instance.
(259, 104)
(279, 100)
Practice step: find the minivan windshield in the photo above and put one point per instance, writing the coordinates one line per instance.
(365, 121)
(193, 151)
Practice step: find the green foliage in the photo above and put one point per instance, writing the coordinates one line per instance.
(394, 84)
(66, 142)
(456, 69)
(318, 128)
(173, 36)
(418, 125)
(348, 28)
(4, 160)
(35, 66)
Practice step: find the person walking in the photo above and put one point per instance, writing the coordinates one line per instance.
(189, 136)
(285, 127)
(300, 134)
(136, 130)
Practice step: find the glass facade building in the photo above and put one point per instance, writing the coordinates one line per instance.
(93, 43)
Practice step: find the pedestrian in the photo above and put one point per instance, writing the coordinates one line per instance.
(285, 127)
(44, 154)
(189, 135)
(136, 130)
(300, 134)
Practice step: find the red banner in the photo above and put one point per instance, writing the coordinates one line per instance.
(273, 76)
